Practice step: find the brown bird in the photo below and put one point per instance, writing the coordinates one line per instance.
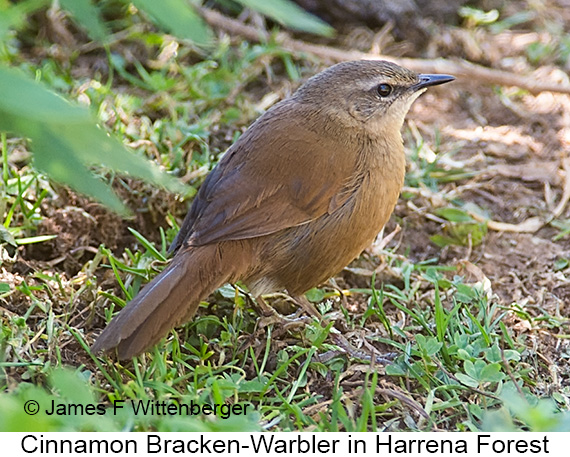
(301, 194)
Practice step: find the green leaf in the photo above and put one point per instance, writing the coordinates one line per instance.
(290, 15)
(493, 354)
(561, 264)
(462, 354)
(517, 18)
(148, 245)
(511, 354)
(71, 386)
(87, 15)
(315, 295)
(467, 380)
(463, 232)
(322, 334)
(395, 370)
(465, 293)
(442, 241)
(66, 140)
(253, 386)
(453, 214)
(461, 229)
(35, 239)
(6, 236)
(564, 226)
(477, 16)
(492, 373)
(538, 51)
(60, 161)
(178, 18)
(432, 346)
(470, 369)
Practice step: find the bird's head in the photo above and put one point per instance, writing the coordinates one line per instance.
(370, 94)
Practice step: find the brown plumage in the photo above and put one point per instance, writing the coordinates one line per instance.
(301, 194)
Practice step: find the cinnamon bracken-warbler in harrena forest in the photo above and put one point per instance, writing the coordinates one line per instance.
(297, 197)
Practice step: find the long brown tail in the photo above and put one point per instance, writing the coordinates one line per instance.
(170, 299)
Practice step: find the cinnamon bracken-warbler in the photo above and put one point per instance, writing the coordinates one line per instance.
(301, 193)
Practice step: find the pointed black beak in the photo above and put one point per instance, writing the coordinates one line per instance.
(433, 80)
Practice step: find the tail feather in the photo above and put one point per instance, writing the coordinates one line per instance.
(170, 299)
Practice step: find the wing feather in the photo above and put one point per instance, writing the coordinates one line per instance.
(279, 174)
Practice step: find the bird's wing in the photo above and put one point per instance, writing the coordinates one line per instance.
(279, 174)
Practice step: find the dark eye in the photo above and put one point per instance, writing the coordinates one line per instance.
(384, 90)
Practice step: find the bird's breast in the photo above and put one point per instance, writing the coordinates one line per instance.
(304, 256)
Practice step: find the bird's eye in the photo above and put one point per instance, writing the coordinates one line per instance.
(384, 90)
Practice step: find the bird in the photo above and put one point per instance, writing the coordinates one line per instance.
(302, 192)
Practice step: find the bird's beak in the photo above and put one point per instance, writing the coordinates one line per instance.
(433, 80)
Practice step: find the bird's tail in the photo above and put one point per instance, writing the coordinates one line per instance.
(169, 300)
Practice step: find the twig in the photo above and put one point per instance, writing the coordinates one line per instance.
(404, 399)
(510, 374)
(566, 193)
(380, 244)
(459, 68)
(379, 390)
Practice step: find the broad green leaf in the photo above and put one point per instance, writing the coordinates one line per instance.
(510, 354)
(467, 380)
(492, 373)
(178, 18)
(442, 241)
(87, 15)
(227, 291)
(431, 346)
(395, 370)
(253, 386)
(462, 354)
(465, 293)
(290, 15)
(62, 163)
(71, 386)
(66, 139)
(561, 264)
(470, 369)
(493, 354)
(315, 295)
(6, 236)
(462, 233)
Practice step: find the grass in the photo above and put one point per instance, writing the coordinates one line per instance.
(457, 362)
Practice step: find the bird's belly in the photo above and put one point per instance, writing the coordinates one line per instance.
(305, 256)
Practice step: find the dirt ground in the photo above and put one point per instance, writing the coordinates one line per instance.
(521, 174)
